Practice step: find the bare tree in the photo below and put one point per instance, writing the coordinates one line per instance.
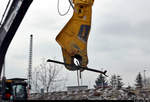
(46, 76)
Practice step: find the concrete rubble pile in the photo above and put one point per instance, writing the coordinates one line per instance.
(99, 94)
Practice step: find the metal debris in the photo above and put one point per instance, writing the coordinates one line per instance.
(99, 94)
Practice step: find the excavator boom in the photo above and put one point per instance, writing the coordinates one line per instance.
(10, 25)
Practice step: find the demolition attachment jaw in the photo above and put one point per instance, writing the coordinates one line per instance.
(76, 60)
(73, 37)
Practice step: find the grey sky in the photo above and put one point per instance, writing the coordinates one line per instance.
(118, 41)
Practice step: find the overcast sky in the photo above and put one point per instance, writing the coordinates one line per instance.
(118, 41)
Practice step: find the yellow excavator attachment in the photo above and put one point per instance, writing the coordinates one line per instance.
(73, 37)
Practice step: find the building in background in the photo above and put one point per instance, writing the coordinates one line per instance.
(76, 88)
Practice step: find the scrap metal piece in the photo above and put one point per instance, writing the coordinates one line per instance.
(78, 67)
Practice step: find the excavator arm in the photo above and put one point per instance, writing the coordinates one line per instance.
(10, 25)
(73, 37)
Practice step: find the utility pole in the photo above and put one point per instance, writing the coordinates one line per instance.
(37, 73)
(144, 79)
(30, 63)
(102, 80)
